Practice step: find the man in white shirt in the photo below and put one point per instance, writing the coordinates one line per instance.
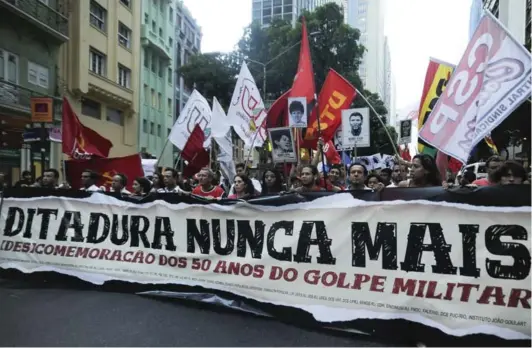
(119, 184)
(88, 181)
(241, 170)
(170, 180)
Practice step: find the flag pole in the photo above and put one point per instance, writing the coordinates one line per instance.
(320, 148)
(161, 154)
(253, 143)
(379, 117)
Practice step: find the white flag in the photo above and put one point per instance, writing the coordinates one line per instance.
(221, 130)
(196, 111)
(246, 112)
(492, 79)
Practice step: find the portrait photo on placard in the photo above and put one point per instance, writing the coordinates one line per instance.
(355, 126)
(297, 112)
(405, 132)
(283, 149)
(338, 140)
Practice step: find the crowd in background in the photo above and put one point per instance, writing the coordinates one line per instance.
(420, 172)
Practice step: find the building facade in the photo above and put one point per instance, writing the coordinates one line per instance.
(188, 43)
(515, 15)
(266, 11)
(31, 32)
(389, 84)
(157, 78)
(98, 69)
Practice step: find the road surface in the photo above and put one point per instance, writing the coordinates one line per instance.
(76, 317)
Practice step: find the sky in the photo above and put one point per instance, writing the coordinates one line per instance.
(416, 30)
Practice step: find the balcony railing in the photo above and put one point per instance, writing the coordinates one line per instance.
(41, 14)
(18, 99)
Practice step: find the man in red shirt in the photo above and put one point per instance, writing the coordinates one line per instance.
(205, 186)
(492, 164)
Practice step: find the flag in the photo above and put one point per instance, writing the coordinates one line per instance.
(195, 112)
(246, 112)
(346, 159)
(405, 153)
(332, 156)
(130, 166)
(335, 95)
(479, 97)
(436, 78)
(80, 142)
(194, 144)
(194, 152)
(303, 85)
(491, 145)
(221, 132)
(276, 115)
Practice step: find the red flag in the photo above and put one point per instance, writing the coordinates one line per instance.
(277, 113)
(194, 153)
(303, 85)
(405, 153)
(329, 150)
(335, 95)
(80, 142)
(130, 166)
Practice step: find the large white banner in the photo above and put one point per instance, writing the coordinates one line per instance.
(246, 112)
(491, 81)
(196, 111)
(458, 268)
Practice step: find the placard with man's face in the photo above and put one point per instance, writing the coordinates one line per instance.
(355, 128)
(297, 112)
(405, 131)
(283, 149)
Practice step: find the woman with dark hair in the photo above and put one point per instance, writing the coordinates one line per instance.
(424, 173)
(272, 182)
(141, 187)
(509, 173)
(243, 188)
(156, 182)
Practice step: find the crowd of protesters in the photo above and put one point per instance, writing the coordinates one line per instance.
(420, 172)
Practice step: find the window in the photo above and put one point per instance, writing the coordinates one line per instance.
(154, 64)
(97, 62)
(159, 101)
(8, 66)
(153, 26)
(124, 35)
(171, 14)
(146, 94)
(153, 98)
(124, 76)
(126, 3)
(91, 108)
(169, 108)
(97, 16)
(161, 32)
(159, 130)
(170, 77)
(171, 43)
(145, 126)
(146, 59)
(115, 116)
(37, 75)
(152, 128)
(161, 67)
(146, 18)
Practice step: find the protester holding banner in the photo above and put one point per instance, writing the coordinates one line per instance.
(243, 188)
(206, 187)
(141, 187)
(272, 182)
(424, 173)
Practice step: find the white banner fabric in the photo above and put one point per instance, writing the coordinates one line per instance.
(458, 268)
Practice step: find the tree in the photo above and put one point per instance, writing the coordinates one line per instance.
(334, 45)
(214, 75)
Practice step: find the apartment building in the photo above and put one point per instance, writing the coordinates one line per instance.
(98, 69)
(157, 78)
(188, 43)
(31, 33)
(266, 11)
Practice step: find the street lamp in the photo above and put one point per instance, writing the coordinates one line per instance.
(264, 65)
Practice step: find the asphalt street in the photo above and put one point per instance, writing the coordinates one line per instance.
(74, 317)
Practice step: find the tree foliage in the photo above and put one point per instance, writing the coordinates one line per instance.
(334, 45)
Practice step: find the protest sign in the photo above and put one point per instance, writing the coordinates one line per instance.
(459, 268)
